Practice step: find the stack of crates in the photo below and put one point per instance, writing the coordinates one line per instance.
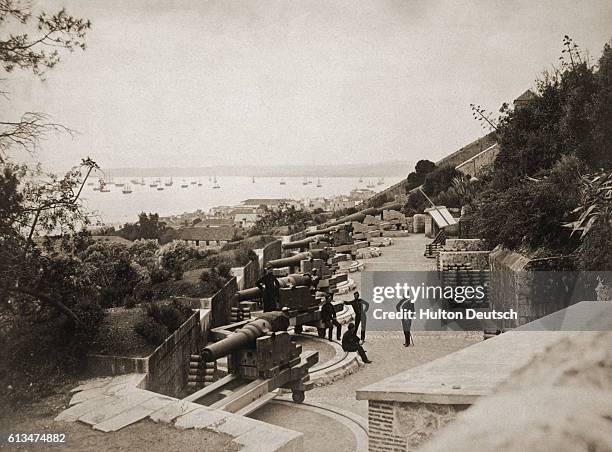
(272, 353)
(201, 373)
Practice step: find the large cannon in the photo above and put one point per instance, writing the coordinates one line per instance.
(359, 216)
(298, 244)
(246, 336)
(286, 281)
(294, 261)
(261, 357)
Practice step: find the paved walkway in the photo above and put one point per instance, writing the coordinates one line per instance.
(385, 348)
(464, 376)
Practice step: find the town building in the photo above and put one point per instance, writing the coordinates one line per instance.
(207, 237)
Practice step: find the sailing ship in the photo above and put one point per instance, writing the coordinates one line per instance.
(126, 189)
(360, 180)
(199, 183)
(370, 184)
(381, 181)
(253, 180)
(169, 182)
(160, 188)
(216, 185)
(184, 184)
(282, 181)
(319, 182)
(305, 181)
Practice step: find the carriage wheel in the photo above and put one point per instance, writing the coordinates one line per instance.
(298, 396)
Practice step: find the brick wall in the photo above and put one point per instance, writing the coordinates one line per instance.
(169, 363)
(405, 426)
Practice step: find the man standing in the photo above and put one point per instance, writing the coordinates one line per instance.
(328, 317)
(350, 343)
(405, 306)
(270, 287)
(360, 308)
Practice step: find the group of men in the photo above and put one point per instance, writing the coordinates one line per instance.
(350, 340)
(270, 288)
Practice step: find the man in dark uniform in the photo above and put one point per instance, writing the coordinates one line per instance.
(328, 317)
(360, 307)
(350, 343)
(270, 287)
(404, 306)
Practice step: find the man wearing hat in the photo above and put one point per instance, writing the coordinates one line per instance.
(270, 288)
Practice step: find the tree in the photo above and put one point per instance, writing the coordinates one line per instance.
(148, 227)
(34, 203)
(417, 177)
(55, 33)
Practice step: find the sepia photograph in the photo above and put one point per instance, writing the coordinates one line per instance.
(306, 225)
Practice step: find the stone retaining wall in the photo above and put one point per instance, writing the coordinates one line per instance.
(464, 245)
(169, 363)
(221, 304)
(518, 283)
(167, 367)
(478, 259)
(250, 274)
(404, 426)
(271, 251)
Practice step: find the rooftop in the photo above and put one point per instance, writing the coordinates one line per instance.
(264, 201)
(526, 96)
(217, 233)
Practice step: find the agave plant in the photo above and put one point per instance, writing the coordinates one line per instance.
(464, 188)
(596, 205)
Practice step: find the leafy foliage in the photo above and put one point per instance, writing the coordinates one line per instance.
(285, 215)
(546, 146)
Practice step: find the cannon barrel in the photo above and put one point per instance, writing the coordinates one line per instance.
(290, 261)
(290, 280)
(246, 336)
(304, 242)
(359, 216)
(326, 230)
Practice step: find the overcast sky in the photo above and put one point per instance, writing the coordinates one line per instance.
(198, 83)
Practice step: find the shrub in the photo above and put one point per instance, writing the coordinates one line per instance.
(225, 271)
(152, 331)
(529, 214)
(211, 282)
(44, 350)
(159, 275)
(171, 315)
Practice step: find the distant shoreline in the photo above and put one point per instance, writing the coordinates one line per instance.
(387, 169)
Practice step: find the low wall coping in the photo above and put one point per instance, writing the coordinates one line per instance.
(463, 376)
